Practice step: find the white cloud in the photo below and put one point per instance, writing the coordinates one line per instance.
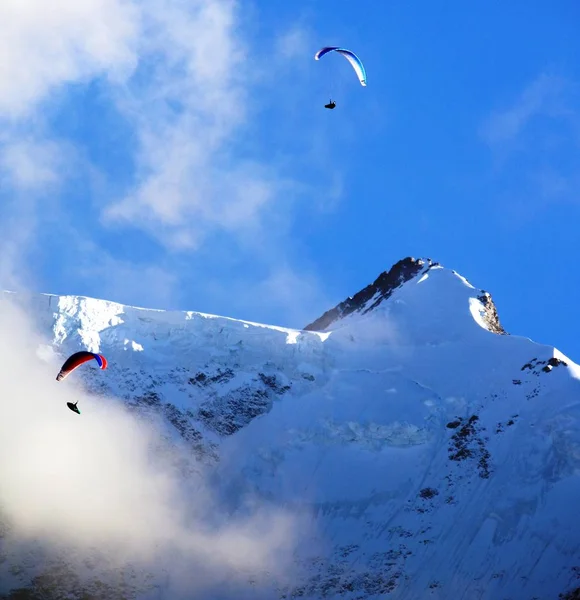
(91, 487)
(32, 164)
(188, 117)
(32, 169)
(545, 95)
(295, 42)
(538, 137)
(182, 74)
(44, 45)
(298, 294)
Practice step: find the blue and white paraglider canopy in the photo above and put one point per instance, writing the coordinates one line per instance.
(352, 58)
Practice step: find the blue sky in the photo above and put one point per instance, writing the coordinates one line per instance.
(178, 155)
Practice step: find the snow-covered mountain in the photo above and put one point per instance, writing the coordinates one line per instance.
(434, 455)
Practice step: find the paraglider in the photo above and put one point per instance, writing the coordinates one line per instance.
(352, 58)
(73, 362)
(77, 359)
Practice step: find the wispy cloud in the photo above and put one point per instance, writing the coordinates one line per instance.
(46, 45)
(547, 95)
(275, 289)
(30, 171)
(137, 284)
(43, 48)
(297, 41)
(538, 138)
(31, 164)
(189, 115)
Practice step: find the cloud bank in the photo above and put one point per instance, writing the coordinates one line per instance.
(92, 489)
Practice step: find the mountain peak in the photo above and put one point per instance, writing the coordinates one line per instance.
(407, 269)
(470, 427)
(372, 295)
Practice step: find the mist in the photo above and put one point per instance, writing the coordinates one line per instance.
(92, 491)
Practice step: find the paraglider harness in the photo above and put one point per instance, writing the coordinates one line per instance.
(73, 407)
(330, 105)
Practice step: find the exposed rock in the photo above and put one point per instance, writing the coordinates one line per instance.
(490, 316)
(428, 493)
(229, 413)
(536, 366)
(385, 284)
(203, 379)
(467, 443)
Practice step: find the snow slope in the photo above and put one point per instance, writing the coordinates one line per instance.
(434, 456)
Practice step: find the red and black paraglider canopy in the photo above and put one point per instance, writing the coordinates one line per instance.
(77, 359)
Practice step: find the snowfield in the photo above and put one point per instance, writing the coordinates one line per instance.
(430, 454)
